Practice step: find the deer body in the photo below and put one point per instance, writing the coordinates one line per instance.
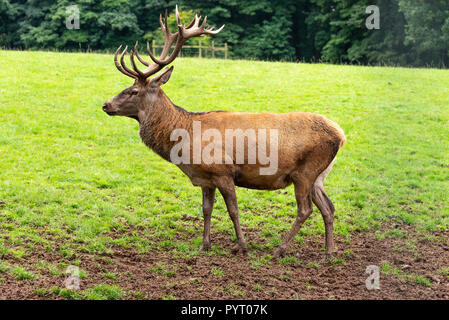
(299, 134)
(306, 143)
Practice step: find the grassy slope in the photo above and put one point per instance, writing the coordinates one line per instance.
(68, 172)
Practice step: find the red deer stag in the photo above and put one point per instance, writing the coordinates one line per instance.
(306, 144)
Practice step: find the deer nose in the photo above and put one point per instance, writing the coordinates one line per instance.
(106, 106)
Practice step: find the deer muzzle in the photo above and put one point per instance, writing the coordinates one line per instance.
(107, 107)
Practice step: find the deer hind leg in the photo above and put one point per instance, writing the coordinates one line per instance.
(208, 205)
(327, 209)
(304, 202)
(227, 189)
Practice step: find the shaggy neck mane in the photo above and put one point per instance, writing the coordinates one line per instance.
(158, 124)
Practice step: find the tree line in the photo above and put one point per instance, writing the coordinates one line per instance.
(412, 32)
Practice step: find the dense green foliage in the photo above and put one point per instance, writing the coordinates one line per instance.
(412, 32)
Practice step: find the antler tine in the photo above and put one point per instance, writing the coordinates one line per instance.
(166, 20)
(142, 61)
(155, 60)
(197, 20)
(148, 49)
(133, 63)
(210, 31)
(204, 23)
(118, 66)
(178, 19)
(192, 22)
(161, 22)
(164, 24)
(122, 67)
(122, 62)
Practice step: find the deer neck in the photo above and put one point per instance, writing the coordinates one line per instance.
(159, 121)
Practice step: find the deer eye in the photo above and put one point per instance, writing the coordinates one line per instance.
(133, 92)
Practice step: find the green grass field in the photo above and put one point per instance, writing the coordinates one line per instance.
(73, 180)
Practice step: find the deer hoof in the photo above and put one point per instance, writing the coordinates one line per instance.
(239, 250)
(328, 257)
(279, 252)
(205, 247)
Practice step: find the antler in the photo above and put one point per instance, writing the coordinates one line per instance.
(194, 29)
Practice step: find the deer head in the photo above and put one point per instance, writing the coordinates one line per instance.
(145, 91)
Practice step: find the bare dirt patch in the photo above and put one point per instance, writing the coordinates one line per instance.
(413, 267)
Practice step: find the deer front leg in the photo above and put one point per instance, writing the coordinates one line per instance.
(227, 189)
(208, 206)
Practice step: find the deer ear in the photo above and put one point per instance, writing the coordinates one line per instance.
(162, 77)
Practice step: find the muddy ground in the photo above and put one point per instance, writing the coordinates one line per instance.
(416, 271)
